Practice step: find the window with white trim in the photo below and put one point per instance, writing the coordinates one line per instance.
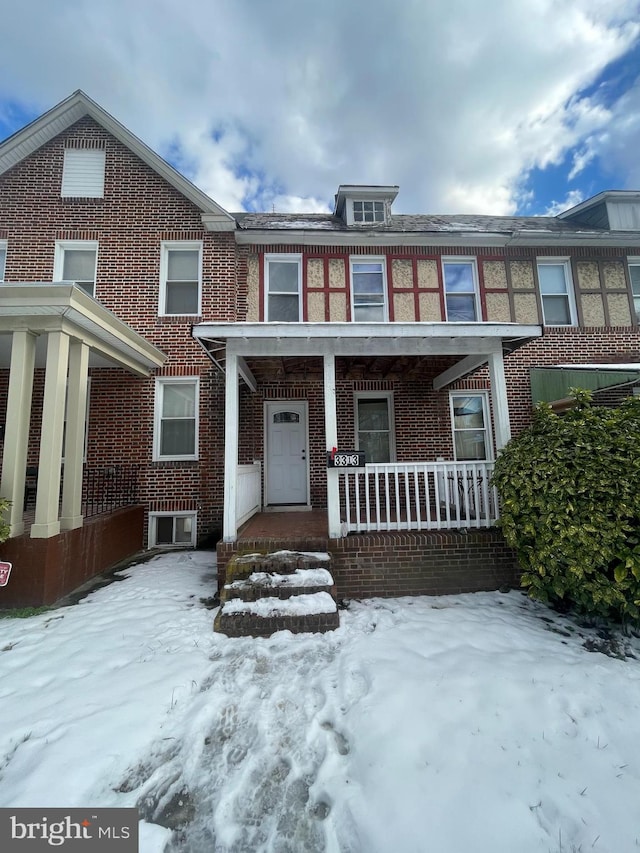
(180, 278)
(470, 426)
(374, 426)
(172, 529)
(634, 275)
(368, 211)
(556, 292)
(460, 277)
(3, 258)
(83, 173)
(176, 418)
(283, 288)
(77, 261)
(368, 290)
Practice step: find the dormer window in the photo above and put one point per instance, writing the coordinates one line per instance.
(368, 211)
(362, 206)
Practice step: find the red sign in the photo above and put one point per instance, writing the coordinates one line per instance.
(5, 571)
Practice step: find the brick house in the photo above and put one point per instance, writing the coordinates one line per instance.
(338, 382)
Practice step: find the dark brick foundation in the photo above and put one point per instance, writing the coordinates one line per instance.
(45, 570)
(394, 564)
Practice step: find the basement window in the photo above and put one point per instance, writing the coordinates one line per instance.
(172, 529)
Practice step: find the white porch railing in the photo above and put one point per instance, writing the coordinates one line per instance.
(248, 490)
(418, 496)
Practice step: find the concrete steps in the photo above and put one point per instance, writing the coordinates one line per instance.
(281, 591)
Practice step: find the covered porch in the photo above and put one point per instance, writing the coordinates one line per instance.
(68, 522)
(409, 492)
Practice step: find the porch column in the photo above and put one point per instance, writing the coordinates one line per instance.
(331, 437)
(231, 422)
(74, 441)
(50, 464)
(16, 437)
(499, 400)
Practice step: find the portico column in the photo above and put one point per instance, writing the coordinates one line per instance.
(231, 422)
(499, 400)
(74, 441)
(331, 437)
(16, 437)
(50, 465)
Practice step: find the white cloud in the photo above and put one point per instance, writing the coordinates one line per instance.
(279, 102)
(573, 197)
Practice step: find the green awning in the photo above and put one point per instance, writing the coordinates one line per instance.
(549, 384)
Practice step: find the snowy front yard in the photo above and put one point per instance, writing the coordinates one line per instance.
(461, 724)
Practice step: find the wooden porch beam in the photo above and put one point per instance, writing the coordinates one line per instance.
(458, 370)
(246, 375)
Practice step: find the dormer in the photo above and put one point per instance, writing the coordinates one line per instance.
(613, 210)
(364, 206)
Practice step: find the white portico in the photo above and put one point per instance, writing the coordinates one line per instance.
(58, 327)
(231, 345)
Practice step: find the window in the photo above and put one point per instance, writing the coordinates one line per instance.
(176, 419)
(368, 290)
(470, 423)
(282, 287)
(368, 211)
(172, 529)
(76, 260)
(180, 279)
(634, 275)
(3, 258)
(556, 292)
(374, 426)
(461, 290)
(83, 173)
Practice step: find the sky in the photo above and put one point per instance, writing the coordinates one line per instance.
(503, 107)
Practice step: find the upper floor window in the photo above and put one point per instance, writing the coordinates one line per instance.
(470, 424)
(461, 290)
(634, 275)
(176, 418)
(76, 260)
(368, 290)
(368, 211)
(556, 292)
(83, 173)
(283, 285)
(3, 258)
(180, 278)
(374, 426)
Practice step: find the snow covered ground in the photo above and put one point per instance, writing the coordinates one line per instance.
(461, 724)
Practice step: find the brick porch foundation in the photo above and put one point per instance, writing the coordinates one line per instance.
(394, 564)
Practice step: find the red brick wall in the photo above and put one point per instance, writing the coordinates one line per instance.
(139, 210)
(44, 570)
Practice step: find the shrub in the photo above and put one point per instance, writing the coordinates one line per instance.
(4, 527)
(570, 506)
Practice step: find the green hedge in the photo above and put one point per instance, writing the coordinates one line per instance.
(570, 506)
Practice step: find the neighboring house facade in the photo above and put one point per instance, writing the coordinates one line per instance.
(258, 356)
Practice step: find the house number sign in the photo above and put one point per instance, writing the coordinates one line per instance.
(345, 459)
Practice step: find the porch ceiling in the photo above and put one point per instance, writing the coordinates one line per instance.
(45, 307)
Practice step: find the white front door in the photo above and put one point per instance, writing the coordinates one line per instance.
(286, 453)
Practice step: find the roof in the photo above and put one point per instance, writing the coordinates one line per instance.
(464, 229)
(65, 114)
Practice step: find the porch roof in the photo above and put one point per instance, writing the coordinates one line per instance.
(44, 307)
(347, 339)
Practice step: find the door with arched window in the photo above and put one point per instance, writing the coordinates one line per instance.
(286, 456)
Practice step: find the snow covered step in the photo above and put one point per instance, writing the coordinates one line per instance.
(304, 613)
(280, 562)
(262, 584)
(280, 591)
